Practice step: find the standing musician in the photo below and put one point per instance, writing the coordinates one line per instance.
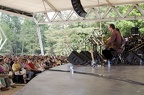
(114, 43)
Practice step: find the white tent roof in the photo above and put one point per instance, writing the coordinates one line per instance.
(30, 7)
(39, 9)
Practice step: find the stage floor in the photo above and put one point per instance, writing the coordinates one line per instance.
(86, 80)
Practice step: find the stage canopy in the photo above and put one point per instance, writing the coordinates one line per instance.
(61, 11)
(56, 11)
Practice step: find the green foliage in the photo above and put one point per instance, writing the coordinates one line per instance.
(21, 34)
(125, 31)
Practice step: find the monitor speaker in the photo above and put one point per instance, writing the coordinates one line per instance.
(76, 58)
(87, 55)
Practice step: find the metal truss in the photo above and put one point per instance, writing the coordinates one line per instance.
(97, 14)
(3, 38)
(15, 12)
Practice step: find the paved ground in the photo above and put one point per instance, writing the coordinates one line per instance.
(86, 80)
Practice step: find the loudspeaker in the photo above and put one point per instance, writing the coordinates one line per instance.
(78, 8)
(76, 58)
(87, 55)
(134, 31)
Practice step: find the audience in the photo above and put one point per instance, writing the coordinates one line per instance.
(26, 66)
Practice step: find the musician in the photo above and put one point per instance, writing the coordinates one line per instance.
(114, 43)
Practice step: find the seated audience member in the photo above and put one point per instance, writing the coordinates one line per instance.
(11, 62)
(2, 87)
(58, 62)
(1, 69)
(39, 65)
(4, 74)
(29, 73)
(31, 67)
(18, 70)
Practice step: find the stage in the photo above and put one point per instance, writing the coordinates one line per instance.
(87, 80)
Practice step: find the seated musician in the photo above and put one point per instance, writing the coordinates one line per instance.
(114, 42)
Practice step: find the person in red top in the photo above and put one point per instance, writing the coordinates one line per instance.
(114, 43)
(31, 67)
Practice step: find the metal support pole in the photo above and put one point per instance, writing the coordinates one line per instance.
(5, 39)
(40, 40)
